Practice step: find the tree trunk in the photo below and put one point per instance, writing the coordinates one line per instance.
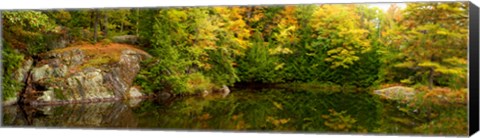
(95, 26)
(121, 27)
(105, 25)
(136, 22)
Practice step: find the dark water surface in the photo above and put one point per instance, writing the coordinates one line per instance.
(242, 110)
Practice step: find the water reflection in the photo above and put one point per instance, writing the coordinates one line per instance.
(77, 115)
(247, 109)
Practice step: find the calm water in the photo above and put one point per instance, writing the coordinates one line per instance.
(242, 110)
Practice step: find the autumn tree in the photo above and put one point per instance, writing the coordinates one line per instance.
(24, 30)
(337, 29)
(436, 40)
(22, 36)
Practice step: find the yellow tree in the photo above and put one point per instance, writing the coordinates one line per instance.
(232, 19)
(337, 29)
(286, 28)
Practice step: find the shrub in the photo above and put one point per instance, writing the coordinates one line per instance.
(11, 60)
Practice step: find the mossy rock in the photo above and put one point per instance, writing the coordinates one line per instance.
(85, 73)
(396, 93)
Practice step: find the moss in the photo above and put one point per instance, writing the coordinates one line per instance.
(113, 50)
(106, 42)
(100, 53)
(97, 62)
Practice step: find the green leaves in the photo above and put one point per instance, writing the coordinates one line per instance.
(436, 39)
(261, 64)
(29, 19)
(12, 61)
(341, 26)
(340, 43)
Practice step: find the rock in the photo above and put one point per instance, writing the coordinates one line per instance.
(88, 84)
(134, 102)
(216, 92)
(60, 40)
(162, 96)
(21, 73)
(59, 43)
(104, 114)
(225, 91)
(10, 101)
(396, 93)
(76, 75)
(47, 95)
(134, 93)
(41, 72)
(205, 93)
(127, 39)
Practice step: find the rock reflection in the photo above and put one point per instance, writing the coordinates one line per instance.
(106, 114)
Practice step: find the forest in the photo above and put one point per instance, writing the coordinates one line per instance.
(334, 46)
(349, 45)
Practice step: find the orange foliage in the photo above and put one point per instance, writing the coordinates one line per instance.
(112, 50)
(444, 95)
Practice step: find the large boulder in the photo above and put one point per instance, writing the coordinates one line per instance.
(84, 74)
(396, 93)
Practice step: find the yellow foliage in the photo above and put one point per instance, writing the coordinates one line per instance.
(338, 121)
(277, 122)
(278, 105)
(279, 50)
(341, 25)
(407, 64)
(279, 66)
(429, 64)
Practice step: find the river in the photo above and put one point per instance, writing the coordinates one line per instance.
(269, 110)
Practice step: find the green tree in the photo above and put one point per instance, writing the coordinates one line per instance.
(24, 30)
(436, 35)
(22, 35)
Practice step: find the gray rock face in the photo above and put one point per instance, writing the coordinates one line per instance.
(21, 74)
(225, 91)
(396, 93)
(128, 39)
(10, 101)
(60, 43)
(64, 77)
(134, 93)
